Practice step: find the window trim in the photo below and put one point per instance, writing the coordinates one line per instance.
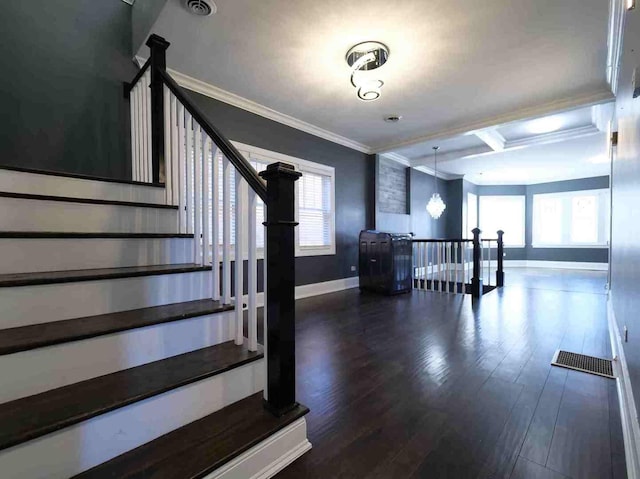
(522, 199)
(603, 215)
(261, 154)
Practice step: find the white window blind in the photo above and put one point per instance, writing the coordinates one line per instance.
(314, 210)
(503, 213)
(575, 218)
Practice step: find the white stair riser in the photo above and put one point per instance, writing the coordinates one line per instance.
(23, 305)
(76, 448)
(22, 374)
(29, 255)
(37, 184)
(19, 214)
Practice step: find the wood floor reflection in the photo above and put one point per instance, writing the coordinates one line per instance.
(429, 385)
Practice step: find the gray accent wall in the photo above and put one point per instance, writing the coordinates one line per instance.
(351, 176)
(64, 62)
(420, 187)
(625, 185)
(583, 255)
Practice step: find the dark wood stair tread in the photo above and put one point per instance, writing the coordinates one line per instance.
(91, 201)
(50, 277)
(34, 416)
(33, 336)
(200, 447)
(73, 235)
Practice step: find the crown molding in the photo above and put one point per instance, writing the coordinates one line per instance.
(558, 106)
(617, 15)
(403, 160)
(553, 137)
(129, 2)
(216, 93)
(441, 174)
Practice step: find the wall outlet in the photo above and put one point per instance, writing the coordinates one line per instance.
(353, 268)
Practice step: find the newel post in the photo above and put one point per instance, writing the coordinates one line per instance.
(158, 47)
(476, 281)
(500, 270)
(280, 302)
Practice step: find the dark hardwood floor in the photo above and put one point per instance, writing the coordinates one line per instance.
(429, 385)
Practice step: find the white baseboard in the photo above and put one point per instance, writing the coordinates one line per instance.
(269, 457)
(628, 412)
(316, 289)
(555, 265)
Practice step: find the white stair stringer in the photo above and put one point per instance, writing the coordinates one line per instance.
(22, 374)
(24, 305)
(42, 184)
(79, 447)
(25, 214)
(29, 255)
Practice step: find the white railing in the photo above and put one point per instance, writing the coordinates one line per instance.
(442, 265)
(204, 199)
(140, 109)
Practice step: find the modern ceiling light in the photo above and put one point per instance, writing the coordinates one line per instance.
(631, 4)
(545, 125)
(436, 206)
(363, 58)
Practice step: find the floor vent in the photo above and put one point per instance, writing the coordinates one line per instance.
(580, 362)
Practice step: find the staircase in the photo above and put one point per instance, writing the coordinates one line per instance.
(123, 353)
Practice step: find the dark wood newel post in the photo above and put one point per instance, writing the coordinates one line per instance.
(476, 281)
(500, 270)
(280, 287)
(158, 47)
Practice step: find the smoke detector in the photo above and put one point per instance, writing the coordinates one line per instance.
(202, 8)
(393, 118)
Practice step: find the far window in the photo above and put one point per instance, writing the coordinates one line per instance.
(503, 213)
(576, 218)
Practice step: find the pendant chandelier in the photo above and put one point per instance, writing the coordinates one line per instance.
(436, 206)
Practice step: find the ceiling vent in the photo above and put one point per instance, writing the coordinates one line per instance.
(201, 8)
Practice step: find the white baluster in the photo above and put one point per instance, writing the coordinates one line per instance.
(265, 341)
(168, 178)
(215, 223)
(439, 267)
(252, 272)
(239, 259)
(488, 247)
(134, 128)
(175, 177)
(447, 247)
(455, 265)
(206, 200)
(189, 171)
(197, 187)
(182, 171)
(425, 247)
(149, 162)
(226, 230)
(143, 110)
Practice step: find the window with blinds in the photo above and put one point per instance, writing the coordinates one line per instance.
(315, 192)
(314, 210)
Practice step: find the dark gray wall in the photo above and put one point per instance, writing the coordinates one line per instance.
(420, 188)
(586, 255)
(351, 173)
(144, 14)
(63, 64)
(625, 181)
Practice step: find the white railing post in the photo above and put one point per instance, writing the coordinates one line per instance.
(215, 224)
(168, 159)
(226, 230)
(197, 187)
(252, 273)
(148, 162)
(455, 266)
(239, 258)
(175, 157)
(206, 200)
(182, 171)
(188, 172)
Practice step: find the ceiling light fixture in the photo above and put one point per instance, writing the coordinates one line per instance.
(436, 206)
(363, 58)
(631, 4)
(545, 125)
(201, 8)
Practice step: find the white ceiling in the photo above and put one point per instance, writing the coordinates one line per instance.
(452, 62)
